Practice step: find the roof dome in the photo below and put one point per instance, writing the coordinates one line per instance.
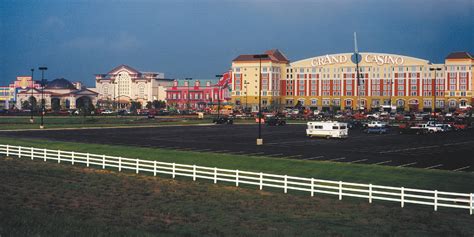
(60, 83)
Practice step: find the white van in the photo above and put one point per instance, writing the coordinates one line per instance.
(327, 129)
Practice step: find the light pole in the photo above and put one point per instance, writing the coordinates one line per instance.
(31, 97)
(260, 56)
(435, 69)
(391, 91)
(42, 69)
(188, 79)
(246, 84)
(218, 98)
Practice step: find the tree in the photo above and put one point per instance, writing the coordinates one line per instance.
(33, 102)
(55, 104)
(85, 106)
(149, 105)
(159, 104)
(25, 104)
(134, 106)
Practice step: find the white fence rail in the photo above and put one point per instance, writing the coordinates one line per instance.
(313, 186)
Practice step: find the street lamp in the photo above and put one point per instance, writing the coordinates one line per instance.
(260, 56)
(435, 69)
(42, 69)
(246, 83)
(218, 98)
(187, 103)
(31, 97)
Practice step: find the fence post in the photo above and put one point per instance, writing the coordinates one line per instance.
(32, 154)
(72, 158)
(471, 197)
(44, 154)
(103, 161)
(19, 151)
(194, 172)
(59, 156)
(174, 170)
(137, 166)
(87, 160)
(8, 150)
(402, 197)
(370, 193)
(312, 187)
(286, 183)
(154, 168)
(120, 163)
(236, 178)
(436, 200)
(340, 190)
(215, 175)
(261, 180)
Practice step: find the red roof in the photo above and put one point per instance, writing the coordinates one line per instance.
(459, 55)
(274, 55)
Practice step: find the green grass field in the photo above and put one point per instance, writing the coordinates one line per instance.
(23, 122)
(47, 199)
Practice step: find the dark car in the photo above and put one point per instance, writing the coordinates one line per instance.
(223, 120)
(377, 130)
(275, 121)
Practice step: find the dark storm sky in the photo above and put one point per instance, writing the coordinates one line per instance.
(198, 39)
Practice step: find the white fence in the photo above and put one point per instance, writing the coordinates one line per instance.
(313, 186)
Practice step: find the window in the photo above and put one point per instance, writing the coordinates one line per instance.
(314, 101)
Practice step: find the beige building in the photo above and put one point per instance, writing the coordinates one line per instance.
(330, 82)
(58, 94)
(125, 84)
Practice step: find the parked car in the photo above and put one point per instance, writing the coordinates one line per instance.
(373, 116)
(377, 130)
(223, 120)
(107, 111)
(275, 121)
(375, 124)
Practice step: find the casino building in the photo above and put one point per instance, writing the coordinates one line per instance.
(124, 84)
(329, 82)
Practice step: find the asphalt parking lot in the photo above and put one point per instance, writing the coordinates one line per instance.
(448, 151)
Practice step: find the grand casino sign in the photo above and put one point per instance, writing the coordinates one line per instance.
(370, 58)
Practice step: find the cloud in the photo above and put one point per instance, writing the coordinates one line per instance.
(121, 42)
(54, 22)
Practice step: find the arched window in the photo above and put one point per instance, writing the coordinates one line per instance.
(141, 90)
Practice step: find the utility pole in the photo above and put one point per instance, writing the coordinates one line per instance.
(42, 69)
(32, 120)
(356, 60)
(260, 57)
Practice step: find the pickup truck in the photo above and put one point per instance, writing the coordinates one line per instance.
(432, 128)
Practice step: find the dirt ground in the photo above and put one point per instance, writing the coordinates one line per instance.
(48, 199)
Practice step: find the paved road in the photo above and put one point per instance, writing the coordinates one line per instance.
(449, 151)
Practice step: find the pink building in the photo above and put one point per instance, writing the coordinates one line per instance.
(198, 95)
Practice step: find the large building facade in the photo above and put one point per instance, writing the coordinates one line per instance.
(197, 95)
(8, 94)
(330, 82)
(124, 84)
(58, 94)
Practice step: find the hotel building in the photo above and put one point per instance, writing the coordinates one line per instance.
(125, 84)
(330, 82)
(192, 94)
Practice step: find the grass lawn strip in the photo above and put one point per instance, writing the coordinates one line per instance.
(381, 175)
